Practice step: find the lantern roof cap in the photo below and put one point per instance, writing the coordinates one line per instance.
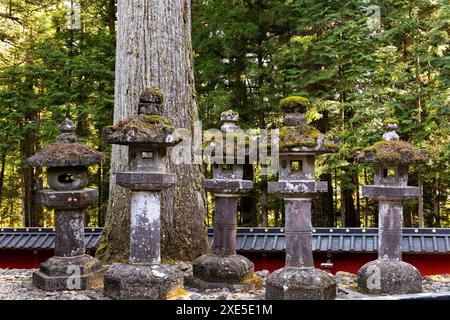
(296, 136)
(306, 139)
(391, 150)
(66, 152)
(294, 103)
(142, 129)
(149, 127)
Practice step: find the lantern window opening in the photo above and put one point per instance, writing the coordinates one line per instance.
(297, 165)
(66, 178)
(227, 166)
(147, 155)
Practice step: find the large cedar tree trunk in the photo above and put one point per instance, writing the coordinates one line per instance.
(154, 49)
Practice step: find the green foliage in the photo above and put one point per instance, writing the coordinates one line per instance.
(46, 74)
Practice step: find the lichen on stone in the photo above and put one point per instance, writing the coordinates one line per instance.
(391, 152)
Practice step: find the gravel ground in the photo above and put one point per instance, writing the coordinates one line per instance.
(15, 284)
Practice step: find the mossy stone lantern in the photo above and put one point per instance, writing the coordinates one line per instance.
(223, 265)
(299, 143)
(67, 176)
(147, 135)
(391, 157)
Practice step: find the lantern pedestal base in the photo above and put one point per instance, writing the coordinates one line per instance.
(69, 273)
(141, 282)
(389, 277)
(229, 269)
(291, 283)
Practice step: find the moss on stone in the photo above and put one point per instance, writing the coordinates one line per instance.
(66, 155)
(152, 91)
(291, 103)
(330, 145)
(232, 136)
(392, 152)
(298, 136)
(139, 129)
(390, 120)
(154, 118)
(231, 113)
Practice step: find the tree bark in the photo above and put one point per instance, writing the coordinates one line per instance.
(2, 174)
(154, 49)
(31, 212)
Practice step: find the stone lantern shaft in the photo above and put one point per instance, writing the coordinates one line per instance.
(225, 225)
(145, 226)
(298, 233)
(390, 222)
(69, 233)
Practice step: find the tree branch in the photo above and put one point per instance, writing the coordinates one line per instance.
(10, 17)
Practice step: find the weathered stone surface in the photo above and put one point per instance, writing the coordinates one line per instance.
(304, 170)
(252, 283)
(145, 181)
(231, 186)
(75, 199)
(262, 273)
(230, 269)
(234, 172)
(145, 228)
(69, 233)
(390, 220)
(141, 282)
(225, 226)
(67, 178)
(300, 284)
(298, 233)
(294, 188)
(389, 277)
(69, 273)
(394, 193)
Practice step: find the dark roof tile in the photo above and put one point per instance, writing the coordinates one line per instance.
(260, 239)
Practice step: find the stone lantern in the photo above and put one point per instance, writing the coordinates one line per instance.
(67, 177)
(147, 136)
(299, 143)
(224, 265)
(391, 157)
